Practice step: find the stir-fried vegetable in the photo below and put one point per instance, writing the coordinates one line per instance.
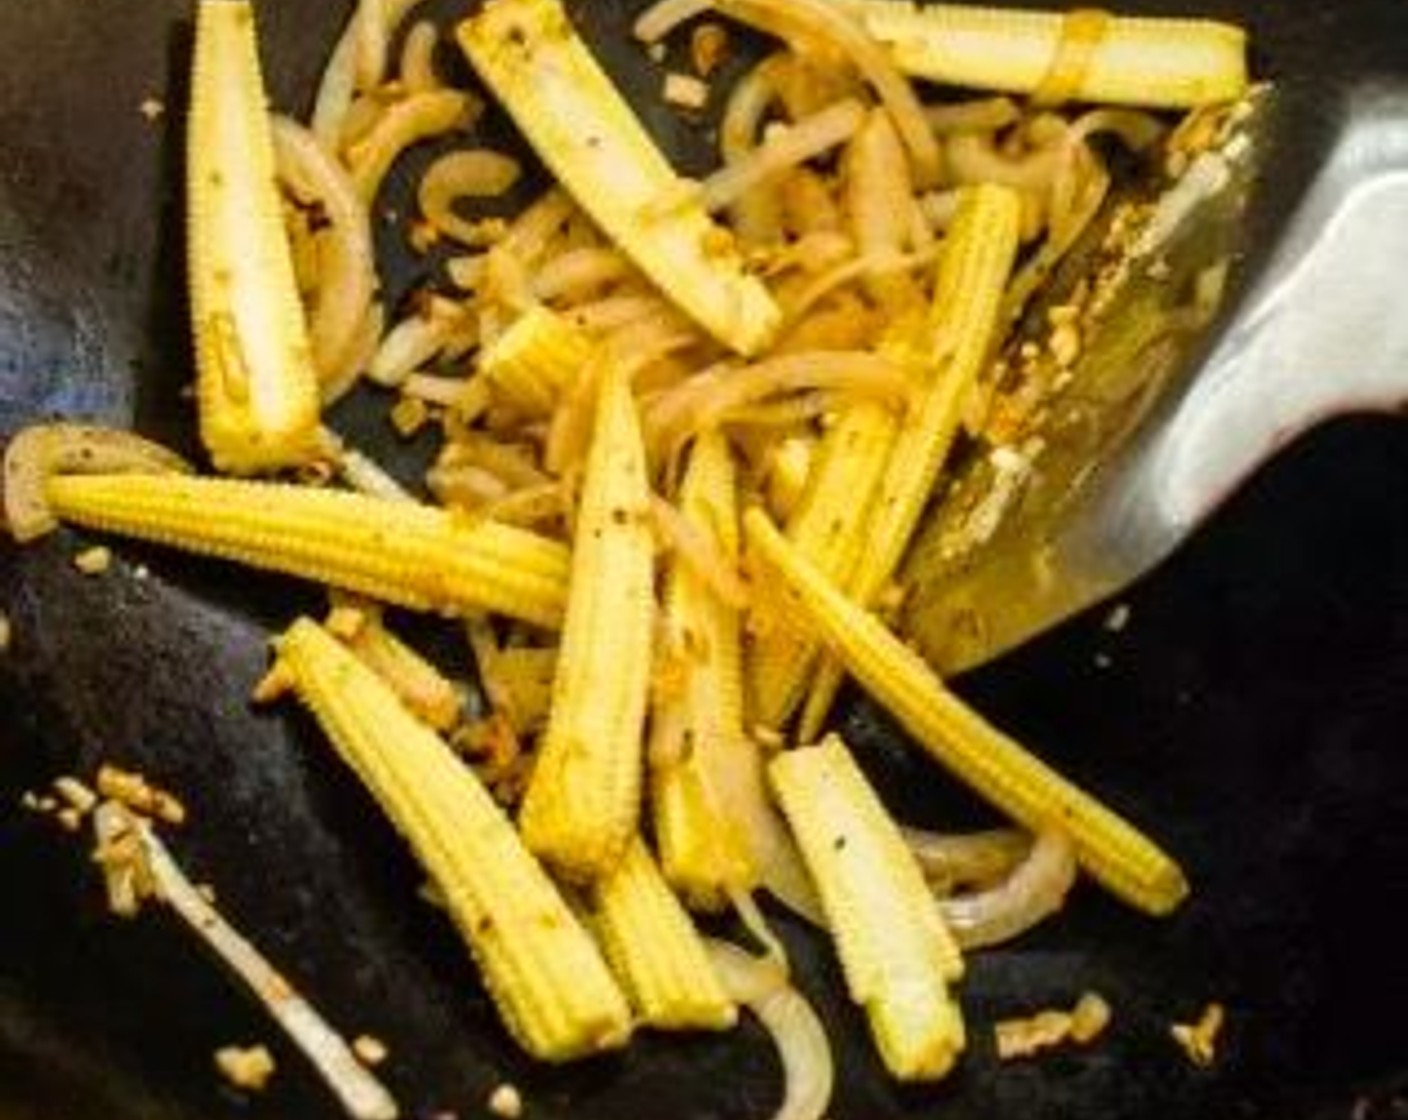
(631, 379)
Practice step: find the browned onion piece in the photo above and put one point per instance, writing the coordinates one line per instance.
(472, 173)
(37, 453)
(967, 859)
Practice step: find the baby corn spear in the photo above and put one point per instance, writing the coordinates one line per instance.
(995, 766)
(397, 552)
(1079, 55)
(551, 985)
(583, 800)
(652, 945)
(897, 955)
(256, 387)
(528, 54)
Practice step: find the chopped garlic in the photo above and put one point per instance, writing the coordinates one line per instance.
(370, 1050)
(506, 1101)
(7, 632)
(93, 561)
(137, 794)
(76, 793)
(153, 108)
(708, 48)
(685, 91)
(1199, 1040)
(1021, 1038)
(245, 1067)
(1089, 1018)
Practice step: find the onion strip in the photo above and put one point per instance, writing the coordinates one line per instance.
(472, 173)
(417, 65)
(347, 277)
(810, 21)
(706, 399)
(969, 859)
(782, 151)
(419, 117)
(339, 79)
(1034, 891)
(802, 1047)
(37, 453)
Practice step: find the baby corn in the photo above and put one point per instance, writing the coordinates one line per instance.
(256, 386)
(949, 352)
(1080, 55)
(583, 800)
(555, 993)
(995, 766)
(528, 54)
(654, 948)
(398, 552)
(535, 360)
(895, 951)
(697, 736)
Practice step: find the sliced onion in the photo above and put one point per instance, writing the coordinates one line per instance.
(419, 117)
(360, 471)
(879, 200)
(347, 280)
(36, 454)
(415, 340)
(808, 207)
(373, 35)
(802, 1046)
(697, 552)
(339, 80)
(755, 218)
(707, 398)
(821, 21)
(811, 252)
(782, 151)
(974, 158)
(578, 274)
(472, 173)
(883, 262)
(967, 859)
(341, 380)
(662, 17)
(528, 238)
(417, 66)
(1033, 892)
(988, 114)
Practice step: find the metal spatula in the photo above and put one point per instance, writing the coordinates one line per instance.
(1157, 426)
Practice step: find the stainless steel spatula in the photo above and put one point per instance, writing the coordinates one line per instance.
(1156, 428)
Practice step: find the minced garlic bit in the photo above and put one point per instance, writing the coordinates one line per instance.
(1021, 1038)
(506, 1101)
(409, 415)
(76, 793)
(1199, 1040)
(370, 1050)
(245, 1067)
(7, 632)
(1089, 1018)
(708, 48)
(93, 561)
(685, 91)
(153, 108)
(1118, 618)
(137, 794)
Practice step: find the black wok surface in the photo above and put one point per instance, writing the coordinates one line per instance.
(1252, 714)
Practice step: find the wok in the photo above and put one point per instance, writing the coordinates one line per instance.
(1251, 715)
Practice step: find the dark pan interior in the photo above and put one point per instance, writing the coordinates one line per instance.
(1251, 715)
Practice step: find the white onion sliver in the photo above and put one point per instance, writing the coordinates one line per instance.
(980, 859)
(782, 151)
(348, 283)
(1033, 892)
(802, 1046)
